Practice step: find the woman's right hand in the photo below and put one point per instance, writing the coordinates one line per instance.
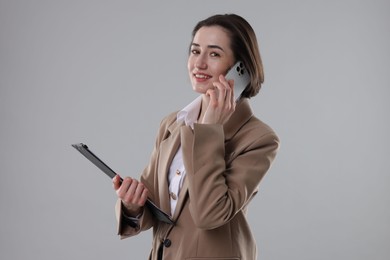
(132, 193)
(222, 103)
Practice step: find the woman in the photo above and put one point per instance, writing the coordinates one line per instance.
(208, 158)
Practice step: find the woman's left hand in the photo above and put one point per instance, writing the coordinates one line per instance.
(222, 103)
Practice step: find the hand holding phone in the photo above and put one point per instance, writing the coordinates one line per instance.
(221, 108)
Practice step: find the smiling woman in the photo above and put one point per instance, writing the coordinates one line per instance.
(209, 157)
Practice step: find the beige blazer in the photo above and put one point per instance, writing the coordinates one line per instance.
(224, 166)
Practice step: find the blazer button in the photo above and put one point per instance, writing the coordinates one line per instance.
(173, 196)
(167, 243)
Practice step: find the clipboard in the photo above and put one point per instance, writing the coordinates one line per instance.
(84, 150)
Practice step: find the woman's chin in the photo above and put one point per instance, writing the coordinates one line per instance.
(200, 89)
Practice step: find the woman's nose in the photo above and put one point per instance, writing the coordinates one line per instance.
(201, 62)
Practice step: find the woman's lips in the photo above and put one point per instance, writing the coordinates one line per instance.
(201, 77)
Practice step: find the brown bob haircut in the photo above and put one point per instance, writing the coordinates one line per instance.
(243, 44)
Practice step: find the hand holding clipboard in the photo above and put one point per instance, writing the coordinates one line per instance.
(84, 150)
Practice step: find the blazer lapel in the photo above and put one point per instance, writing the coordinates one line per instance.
(184, 189)
(168, 150)
(181, 199)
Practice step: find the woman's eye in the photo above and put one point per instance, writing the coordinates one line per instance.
(214, 54)
(194, 51)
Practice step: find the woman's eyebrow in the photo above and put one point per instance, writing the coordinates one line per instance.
(211, 46)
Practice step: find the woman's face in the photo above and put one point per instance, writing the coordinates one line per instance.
(210, 56)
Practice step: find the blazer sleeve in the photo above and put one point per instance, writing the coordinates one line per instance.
(124, 229)
(221, 184)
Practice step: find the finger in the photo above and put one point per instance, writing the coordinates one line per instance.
(212, 93)
(128, 197)
(144, 196)
(138, 194)
(221, 91)
(131, 196)
(229, 92)
(116, 182)
(224, 81)
(231, 84)
(121, 192)
(230, 95)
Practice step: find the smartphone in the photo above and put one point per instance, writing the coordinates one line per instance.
(241, 78)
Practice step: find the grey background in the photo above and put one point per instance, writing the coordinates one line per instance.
(106, 72)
